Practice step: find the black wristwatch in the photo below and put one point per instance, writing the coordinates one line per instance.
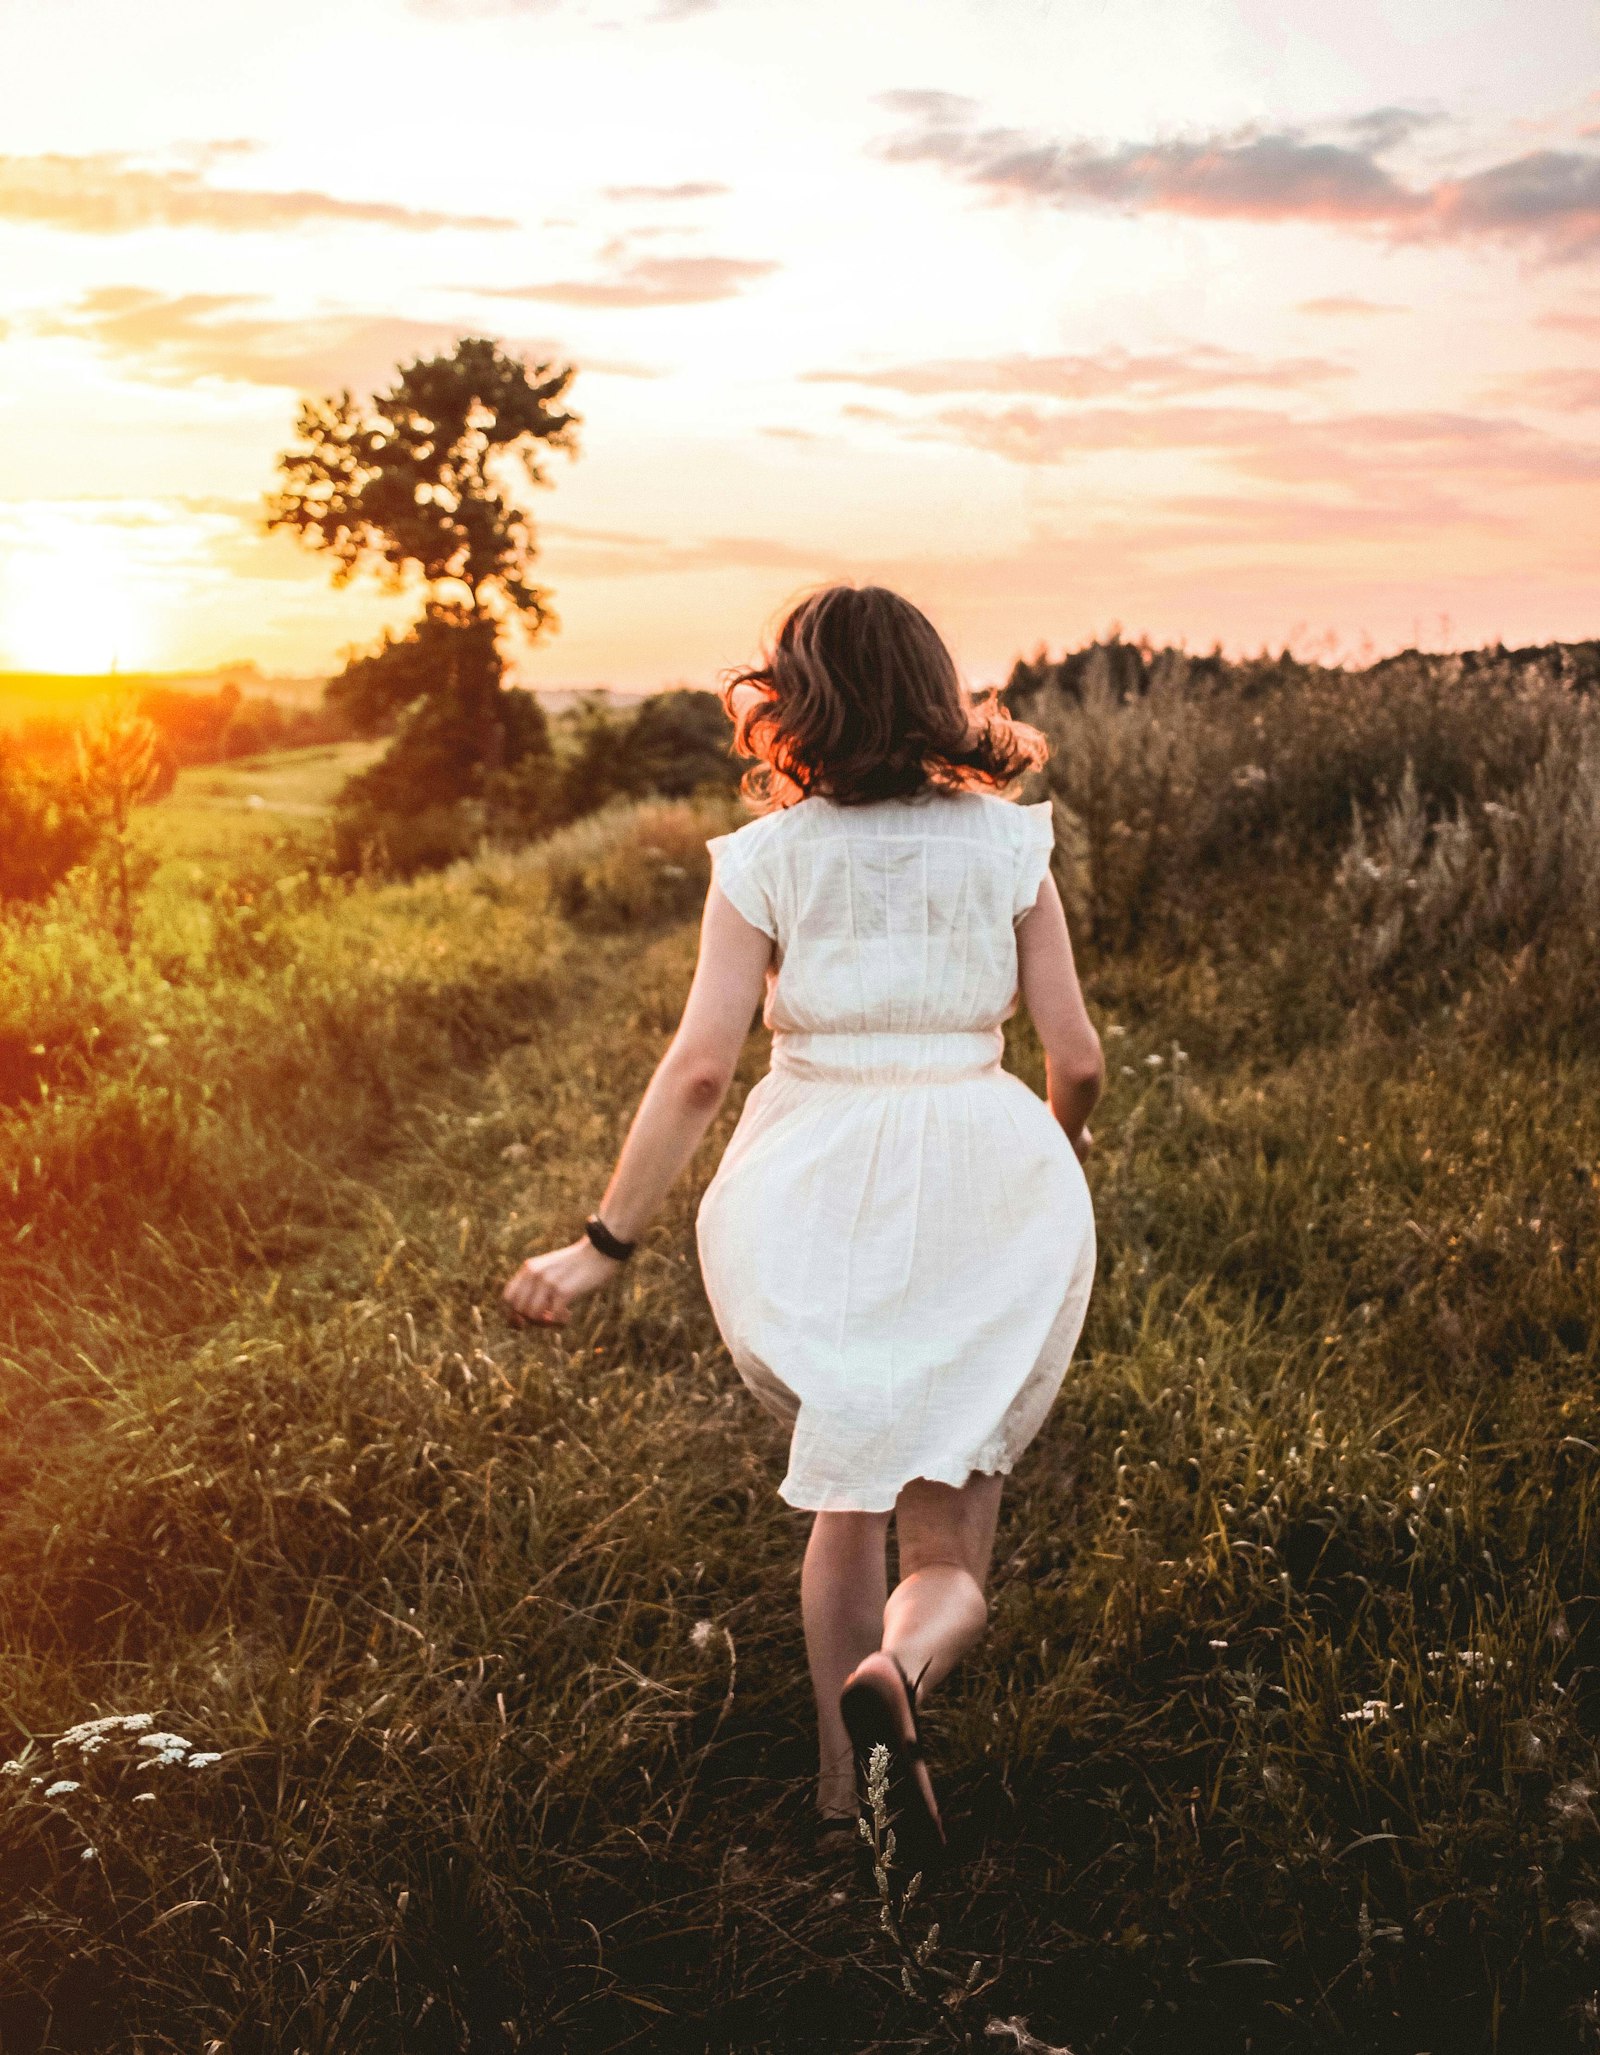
(606, 1242)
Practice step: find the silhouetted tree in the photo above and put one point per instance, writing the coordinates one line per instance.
(429, 481)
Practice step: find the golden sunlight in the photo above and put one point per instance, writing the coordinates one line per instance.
(71, 600)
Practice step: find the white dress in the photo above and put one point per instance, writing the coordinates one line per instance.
(898, 1244)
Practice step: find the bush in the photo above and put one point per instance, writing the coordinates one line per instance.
(1171, 794)
(634, 863)
(46, 829)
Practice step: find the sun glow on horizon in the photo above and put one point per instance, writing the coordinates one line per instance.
(72, 602)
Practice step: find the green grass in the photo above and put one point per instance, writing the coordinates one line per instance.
(1283, 1737)
(224, 812)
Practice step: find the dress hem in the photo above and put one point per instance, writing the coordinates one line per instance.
(953, 1474)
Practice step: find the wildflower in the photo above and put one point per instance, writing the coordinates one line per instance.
(62, 1786)
(11, 1769)
(1369, 1710)
(165, 1749)
(203, 1758)
(96, 1730)
(1216, 1644)
(702, 1634)
(145, 1798)
(1153, 1061)
(89, 1855)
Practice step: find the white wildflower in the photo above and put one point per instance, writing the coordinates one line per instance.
(11, 1769)
(1370, 1709)
(1249, 777)
(89, 1855)
(62, 1786)
(203, 1758)
(165, 1742)
(145, 1798)
(96, 1730)
(1153, 1061)
(1216, 1644)
(702, 1634)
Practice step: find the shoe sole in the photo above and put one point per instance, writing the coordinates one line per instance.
(869, 1720)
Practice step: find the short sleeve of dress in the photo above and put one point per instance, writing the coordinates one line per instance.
(737, 869)
(1036, 838)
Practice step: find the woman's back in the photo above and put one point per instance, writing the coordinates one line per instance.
(890, 918)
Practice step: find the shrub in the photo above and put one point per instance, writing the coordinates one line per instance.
(634, 863)
(46, 829)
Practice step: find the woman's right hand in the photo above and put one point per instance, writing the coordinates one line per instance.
(545, 1288)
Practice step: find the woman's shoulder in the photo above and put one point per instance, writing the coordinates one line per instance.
(993, 818)
(983, 817)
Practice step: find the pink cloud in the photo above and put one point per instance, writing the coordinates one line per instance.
(1160, 374)
(649, 282)
(1548, 199)
(221, 335)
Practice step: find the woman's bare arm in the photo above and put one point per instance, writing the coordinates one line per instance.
(690, 1083)
(1048, 977)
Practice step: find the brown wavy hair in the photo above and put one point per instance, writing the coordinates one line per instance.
(860, 700)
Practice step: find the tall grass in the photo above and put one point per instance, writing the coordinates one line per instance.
(1284, 1735)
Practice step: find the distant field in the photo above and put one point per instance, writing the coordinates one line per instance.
(33, 695)
(226, 810)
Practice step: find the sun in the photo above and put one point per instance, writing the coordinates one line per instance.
(72, 602)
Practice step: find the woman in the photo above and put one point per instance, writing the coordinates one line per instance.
(898, 1245)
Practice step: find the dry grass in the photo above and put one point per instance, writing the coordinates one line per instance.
(1283, 1737)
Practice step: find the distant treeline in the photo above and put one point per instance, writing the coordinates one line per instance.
(1131, 669)
(189, 727)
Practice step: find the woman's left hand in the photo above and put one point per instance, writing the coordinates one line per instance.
(546, 1287)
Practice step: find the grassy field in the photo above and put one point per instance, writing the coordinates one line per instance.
(224, 812)
(478, 1650)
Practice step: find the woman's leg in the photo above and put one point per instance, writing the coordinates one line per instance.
(843, 1583)
(938, 1609)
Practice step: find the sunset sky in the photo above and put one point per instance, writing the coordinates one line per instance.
(1250, 320)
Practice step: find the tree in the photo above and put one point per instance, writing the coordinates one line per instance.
(428, 482)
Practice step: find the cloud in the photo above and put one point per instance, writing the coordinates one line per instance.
(1572, 323)
(1548, 199)
(687, 189)
(111, 194)
(1384, 128)
(579, 552)
(1339, 304)
(649, 282)
(1160, 374)
(1357, 451)
(225, 335)
(1556, 391)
